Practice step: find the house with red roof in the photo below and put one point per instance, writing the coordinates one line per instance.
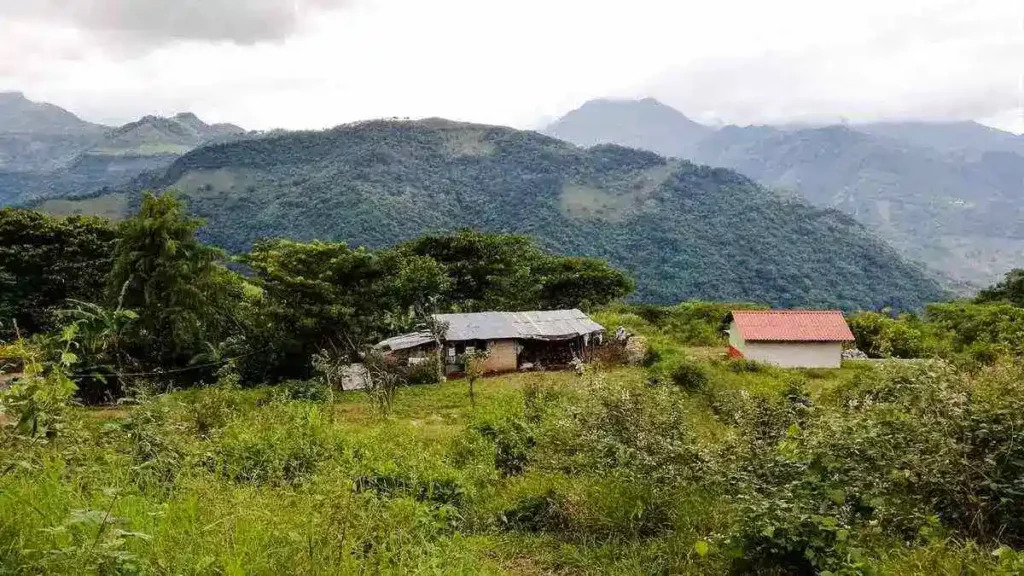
(789, 338)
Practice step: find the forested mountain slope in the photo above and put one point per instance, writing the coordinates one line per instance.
(682, 230)
(950, 195)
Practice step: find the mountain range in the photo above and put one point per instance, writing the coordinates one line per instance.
(950, 195)
(46, 151)
(681, 229)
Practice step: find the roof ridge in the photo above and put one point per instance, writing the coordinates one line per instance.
(786, 311)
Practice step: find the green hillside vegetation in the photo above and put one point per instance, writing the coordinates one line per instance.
(681, 230)
(990, 327)
(722, 467)
(690, 463)
(945, 194)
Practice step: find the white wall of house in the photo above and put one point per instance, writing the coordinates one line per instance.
(795, 354)
(734, 337)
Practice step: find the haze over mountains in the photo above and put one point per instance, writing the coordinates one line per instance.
(950, 195)
(46, 151)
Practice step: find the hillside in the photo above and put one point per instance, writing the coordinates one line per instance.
(46, 151)
(682, 230)
(19, 115)
(154, 135)
(946, 194)
(36, 136)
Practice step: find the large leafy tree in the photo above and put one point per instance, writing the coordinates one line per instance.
(326, 295)
(487, 271)
(509, 272)
(580, 283)
(177, 285)
(44, 261)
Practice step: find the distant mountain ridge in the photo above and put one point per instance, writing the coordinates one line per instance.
(950, 195)
(645, 124)
(46, 151)
(683, 230)
(19, 115)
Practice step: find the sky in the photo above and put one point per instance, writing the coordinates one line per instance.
(315, 63)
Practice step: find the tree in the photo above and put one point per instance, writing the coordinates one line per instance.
(1010, 290)
(584, 283)
(44, 262)
(177, 285)
(487, 271)
(509, 272)
(325, 295)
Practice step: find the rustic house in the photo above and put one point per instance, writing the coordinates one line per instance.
(514, 340)
(789, 338)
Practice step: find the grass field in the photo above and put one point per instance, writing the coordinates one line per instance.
(549, 473)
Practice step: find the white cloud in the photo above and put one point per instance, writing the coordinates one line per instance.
(515, 63)
(141, 23)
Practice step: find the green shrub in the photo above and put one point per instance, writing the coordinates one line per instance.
(651, 357)
(690, 376)
(279, 446)
(313, 390)
(740, 365)
(439, 491)
(535, 513)
(423, 373)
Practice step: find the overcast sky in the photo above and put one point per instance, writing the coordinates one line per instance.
(316, 63)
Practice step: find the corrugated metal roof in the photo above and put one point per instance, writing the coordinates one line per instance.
(792, 325)
(404, 341)
(546, 325)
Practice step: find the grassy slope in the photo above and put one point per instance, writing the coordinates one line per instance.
(278, 486)
(210, 522)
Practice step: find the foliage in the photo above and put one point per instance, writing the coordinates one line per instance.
(425, 372)
(101, 335)
(881, 336)
(46, 261)
(313, 390)
(326, 295)
(176, 284)
(694, 323)
(681, 230)
(474, 363)
(902, 468)
(508, 272)
(384, 377)
(1010, 290)
(690, 376)
(40, 397)
(966, 333)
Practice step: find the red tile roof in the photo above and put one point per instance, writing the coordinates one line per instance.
(792, 325)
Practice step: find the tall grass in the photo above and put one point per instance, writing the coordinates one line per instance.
(548, 473)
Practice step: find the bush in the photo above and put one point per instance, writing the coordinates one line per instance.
(313, 390)
(424, 373)
(536, 513)
(651, 357)
(283, 446)
(690, 376)
(512, 442)
(740, 365)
